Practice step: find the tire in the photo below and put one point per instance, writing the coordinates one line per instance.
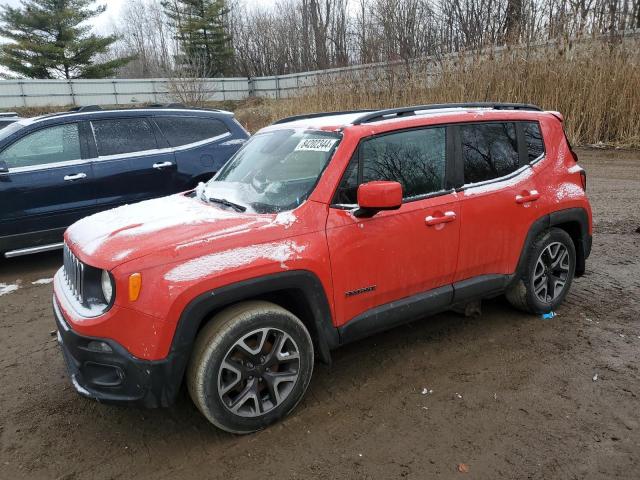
(533, 291)
(250, 366)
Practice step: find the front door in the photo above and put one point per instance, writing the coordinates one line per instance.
(394, 254)
(48, 187)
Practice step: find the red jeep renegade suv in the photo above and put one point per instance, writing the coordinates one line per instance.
(321, 230)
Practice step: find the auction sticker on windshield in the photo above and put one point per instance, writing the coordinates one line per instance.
(316, 144)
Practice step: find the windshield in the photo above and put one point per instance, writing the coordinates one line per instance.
(273, 172)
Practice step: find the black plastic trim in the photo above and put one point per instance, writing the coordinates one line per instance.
(409, 111)
(137, 382)
(304, 282)
(396, 313)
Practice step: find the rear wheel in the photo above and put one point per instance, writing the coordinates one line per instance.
(549, 272)
(250, 367)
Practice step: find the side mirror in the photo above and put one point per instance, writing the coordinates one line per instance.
(376, 196)
(4, 168)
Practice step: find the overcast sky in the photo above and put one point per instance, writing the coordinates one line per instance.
(102, 23)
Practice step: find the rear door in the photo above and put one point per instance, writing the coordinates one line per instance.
(499, 199)
(201, 145)
(49, 185)
(394, 254)
(130, 164)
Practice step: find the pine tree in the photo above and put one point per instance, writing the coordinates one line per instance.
(202, 33)
(50, 39)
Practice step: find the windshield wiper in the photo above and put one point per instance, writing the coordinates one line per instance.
(227, 203)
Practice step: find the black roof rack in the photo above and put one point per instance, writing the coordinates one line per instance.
(86, 108)
(408, 111)
(167, 105)
(8, 114)
(317, 115)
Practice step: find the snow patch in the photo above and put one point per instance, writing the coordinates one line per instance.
(235, 141)
(43, 281)
(285, 219)
(8, 288)
(568, 190)
(475, 189)
(217, 262)
(146, 217)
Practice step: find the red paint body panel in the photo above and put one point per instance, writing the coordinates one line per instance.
(183, 247)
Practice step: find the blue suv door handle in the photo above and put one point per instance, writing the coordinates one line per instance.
(161, 165)
(77, 176)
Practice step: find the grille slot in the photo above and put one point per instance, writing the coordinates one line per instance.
(74, 274)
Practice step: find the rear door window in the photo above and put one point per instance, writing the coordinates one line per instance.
(123, 135)
(181, 131)
(48, 145)
(489, 151)
(533, 137)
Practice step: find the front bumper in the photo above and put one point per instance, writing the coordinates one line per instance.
(104, 370)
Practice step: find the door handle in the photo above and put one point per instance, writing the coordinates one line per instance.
(447, 217)
(526, 197)
(161, 165)
(74, 177)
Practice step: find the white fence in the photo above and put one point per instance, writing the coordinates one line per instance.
(42, 93)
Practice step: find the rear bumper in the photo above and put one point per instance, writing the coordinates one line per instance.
(105, 371)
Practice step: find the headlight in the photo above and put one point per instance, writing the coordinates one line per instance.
(107, 286)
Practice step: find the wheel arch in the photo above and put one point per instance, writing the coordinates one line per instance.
(298, 291)
(574, 221)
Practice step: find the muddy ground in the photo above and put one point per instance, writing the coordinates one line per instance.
(513, 396)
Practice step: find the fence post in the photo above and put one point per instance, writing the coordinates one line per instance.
(223, 81)
(22, 94)
(277, 87)
(115, 92)
(251, 86)
(73, 94)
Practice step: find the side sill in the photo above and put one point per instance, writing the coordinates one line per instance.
(396, 313)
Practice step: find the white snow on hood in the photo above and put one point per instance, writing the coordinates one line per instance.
(217, 262)
(146, 217)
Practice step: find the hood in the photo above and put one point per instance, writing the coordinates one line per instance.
(176, 222)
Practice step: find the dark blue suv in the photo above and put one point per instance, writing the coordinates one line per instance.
(59, 168)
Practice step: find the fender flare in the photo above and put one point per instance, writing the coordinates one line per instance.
(307, 287)
(559, 217)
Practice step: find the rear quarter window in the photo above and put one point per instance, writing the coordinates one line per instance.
(534, 140)
(180, 131)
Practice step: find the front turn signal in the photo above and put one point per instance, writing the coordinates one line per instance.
(135, 284)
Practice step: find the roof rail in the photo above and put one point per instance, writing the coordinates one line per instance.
(167, 105)
(408, 111)
(86, 108)
(8, 114)
(317, 115)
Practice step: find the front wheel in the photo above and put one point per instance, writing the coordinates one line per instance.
(550, 268)
(250, 366)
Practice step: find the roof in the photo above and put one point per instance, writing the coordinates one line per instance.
(362, 117)
(130, 112)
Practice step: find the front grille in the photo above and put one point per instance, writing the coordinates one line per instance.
(74, 274)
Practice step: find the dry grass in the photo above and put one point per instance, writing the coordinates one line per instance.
(597, 90)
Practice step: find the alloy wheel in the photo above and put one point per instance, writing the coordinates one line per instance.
(258, 372)
(551, 272)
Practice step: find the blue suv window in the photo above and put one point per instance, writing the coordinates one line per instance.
(123, 135)
(181, 131)
(48, 145)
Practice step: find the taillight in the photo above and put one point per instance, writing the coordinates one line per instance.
(583, 179)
